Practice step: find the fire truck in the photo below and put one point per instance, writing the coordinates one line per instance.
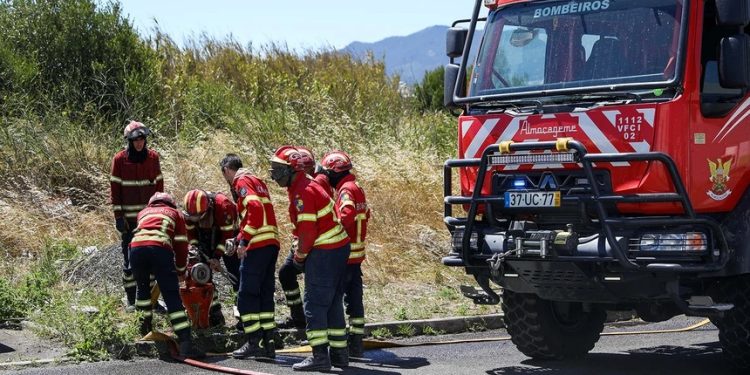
(603, 165)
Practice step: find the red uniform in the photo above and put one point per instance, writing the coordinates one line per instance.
(312, 211)
(353, 213)
(257, 218)
(132, 184)
(223, 220)
(323, 181)
(163, 226)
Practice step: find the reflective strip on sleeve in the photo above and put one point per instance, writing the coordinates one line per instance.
(180, 238)
(334, 235)
(227, 228)
(306, 217)
(325, 210)
(115, 179)
(356, 254)
(256, 198)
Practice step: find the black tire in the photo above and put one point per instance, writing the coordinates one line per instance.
(734, 327)
(540, 330)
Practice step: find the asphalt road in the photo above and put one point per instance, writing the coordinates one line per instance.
(684, 353)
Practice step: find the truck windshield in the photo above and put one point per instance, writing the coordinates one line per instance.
(546, 45)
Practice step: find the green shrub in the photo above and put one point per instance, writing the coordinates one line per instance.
(12, 305)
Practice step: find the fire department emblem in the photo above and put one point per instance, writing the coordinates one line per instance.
(299, 204)
(720, 178)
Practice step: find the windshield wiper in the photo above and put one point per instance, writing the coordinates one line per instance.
(518, 105)
(607, 95)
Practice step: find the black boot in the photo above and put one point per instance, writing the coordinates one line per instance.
(145, 327)
(339, 357)
(269, 343)
(318, 362)
(251, 349)
(356, 348)
(189, 350)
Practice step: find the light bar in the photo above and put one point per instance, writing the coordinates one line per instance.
(551, 158)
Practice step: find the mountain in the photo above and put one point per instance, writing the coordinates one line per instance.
(412, 55)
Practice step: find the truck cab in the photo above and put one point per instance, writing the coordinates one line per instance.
(603, 164)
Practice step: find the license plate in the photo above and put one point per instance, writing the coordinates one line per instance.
(532, 199)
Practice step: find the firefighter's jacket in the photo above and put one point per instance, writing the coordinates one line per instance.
(220, 224)
(325, 183)
(133, 184)
(257, 218)
(353, 213)
(311, 210)
(163, 226)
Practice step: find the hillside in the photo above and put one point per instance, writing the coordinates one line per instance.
(409, 56)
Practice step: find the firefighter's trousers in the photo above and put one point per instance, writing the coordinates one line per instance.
(353, 294)
(257, 283)
(325, 273)
(159, 261)
(288, 279)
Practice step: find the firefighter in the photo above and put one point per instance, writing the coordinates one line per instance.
(288, 272)
(353, 213)
(211, 221)
(322, 253)
(135, 176)
(159, 248)
(258, 249)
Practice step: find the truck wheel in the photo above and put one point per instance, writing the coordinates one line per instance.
(545, 329)
(734, 327)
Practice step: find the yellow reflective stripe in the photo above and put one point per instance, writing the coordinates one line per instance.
(292, 293)
(160, 216)
(116, 208)
(147, 314)
(140, 238)
(177, 314)
(252, 328)
(140, 182)
(128, 277)
(220, 248)
(189, 226)
(249, 317)
(266, 315)
(256, 198)
(334, 235)
(181, 269)
(267, 326)
(227, 228)
(337, 332)
(115, 179)
(159, 177)
(131, 214)
(263, 237)
(306, 217)
(361, 217)
(357, 330)
(357, 320)
(130, 284)
(266, 228)
(325, 210)
(143, 303)
(358, 246)
(180, 238)
(194, 242)
(316, 334)
(347, 203)
(294, 302)
(337, 343)
(318, 342)
(356, 254)
(180, 326)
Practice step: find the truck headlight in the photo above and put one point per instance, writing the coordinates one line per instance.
(690, 241)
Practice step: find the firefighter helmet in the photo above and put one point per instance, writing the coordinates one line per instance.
(196, 202)
(337, 161)
(164, 198)
(307, 158)
(288, 155)
(135, 130)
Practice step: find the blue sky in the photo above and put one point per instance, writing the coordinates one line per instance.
(301, 24)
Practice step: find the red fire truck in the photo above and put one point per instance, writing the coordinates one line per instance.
(603, 163)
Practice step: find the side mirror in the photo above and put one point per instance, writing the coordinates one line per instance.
(732, 12)
(734, 62)
(450, 77)
(455, 39)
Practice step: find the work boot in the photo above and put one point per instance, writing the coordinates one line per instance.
(296, 318)
(356, 347)
(251, 349)
(318, 362)
(269, 343)
(339, 357)
(145, 327)
(189, 350)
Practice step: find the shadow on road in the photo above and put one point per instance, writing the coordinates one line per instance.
(378, 362)
(705, 358)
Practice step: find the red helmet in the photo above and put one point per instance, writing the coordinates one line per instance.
(288, 155)
(337, 161)
(164, 198)
(307, 157)
(134, 130)
(196, 202)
